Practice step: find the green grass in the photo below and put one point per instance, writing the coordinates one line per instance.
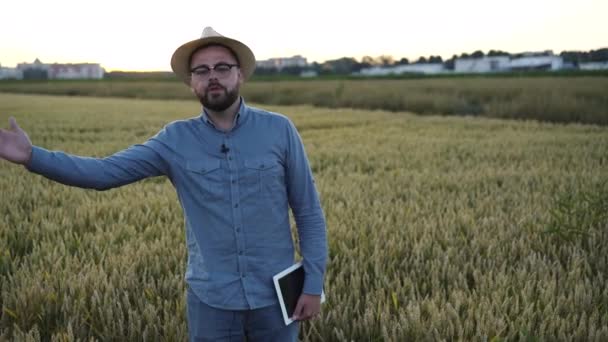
(440, 228)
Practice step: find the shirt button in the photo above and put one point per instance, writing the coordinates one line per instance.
(240, 252)
(229, 158)
(238, 229)
(236, 205)
(233, 181)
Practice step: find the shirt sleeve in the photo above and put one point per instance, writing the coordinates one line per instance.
(124, 167)
(306, 207)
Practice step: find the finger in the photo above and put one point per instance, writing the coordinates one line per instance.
(299, 311)
(13, 123)
(306, 313)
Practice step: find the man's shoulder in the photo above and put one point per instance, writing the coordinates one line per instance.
(179, 127)
(269, 116)
(183, 123)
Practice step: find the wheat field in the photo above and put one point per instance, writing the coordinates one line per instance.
(439, 228)
(580, 99)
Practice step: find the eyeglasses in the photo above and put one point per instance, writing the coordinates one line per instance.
(221, 70)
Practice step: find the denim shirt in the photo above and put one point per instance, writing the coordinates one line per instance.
(235, 188)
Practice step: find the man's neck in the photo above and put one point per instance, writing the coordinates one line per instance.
(224, 120)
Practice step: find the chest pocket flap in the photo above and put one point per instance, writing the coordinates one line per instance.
(260, 164)
(203, 167)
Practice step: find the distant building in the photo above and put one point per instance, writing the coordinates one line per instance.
(10, 73)
(375, 71)
(537, 61)
(418, 68)
(520, 62)
(39, 70)
(483, 64)
(35, 70)
(308, 73)
(594, 66)
(283, 62)
(76, 71)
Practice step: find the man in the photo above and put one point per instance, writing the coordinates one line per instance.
(237, 170)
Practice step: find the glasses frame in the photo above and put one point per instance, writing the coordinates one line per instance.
(199, 70)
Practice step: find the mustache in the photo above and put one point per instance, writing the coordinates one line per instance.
(215, 84)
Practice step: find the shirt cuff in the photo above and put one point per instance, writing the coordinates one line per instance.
(37, 159)
(313, 285)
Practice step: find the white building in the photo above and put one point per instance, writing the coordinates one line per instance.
(10, 73)
(594, 66)
(525, 61)
(75, 71)
(283, 62)
(63, 71)
(483, 64)
(418, 68)
(375, 71)
(531, 62)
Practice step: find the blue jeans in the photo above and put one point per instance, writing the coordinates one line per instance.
(206, 323)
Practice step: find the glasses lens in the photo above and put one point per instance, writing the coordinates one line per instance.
(222, 69)
(202, 71)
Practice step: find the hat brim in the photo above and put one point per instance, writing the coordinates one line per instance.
(180, 61)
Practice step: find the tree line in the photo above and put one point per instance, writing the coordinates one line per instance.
(349, 65)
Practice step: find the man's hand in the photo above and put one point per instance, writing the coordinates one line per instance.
(308, 307)
(15, 145)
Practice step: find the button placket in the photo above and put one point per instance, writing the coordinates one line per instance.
(232, 161)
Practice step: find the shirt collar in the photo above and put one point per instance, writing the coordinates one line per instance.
(238, 118)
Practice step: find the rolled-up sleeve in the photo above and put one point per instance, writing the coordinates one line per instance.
(306, 207)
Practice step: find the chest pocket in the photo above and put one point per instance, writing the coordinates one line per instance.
(208, 177)
(265, 176)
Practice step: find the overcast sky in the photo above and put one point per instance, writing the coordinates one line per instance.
(142, 35)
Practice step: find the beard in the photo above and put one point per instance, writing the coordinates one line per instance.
(219, 102)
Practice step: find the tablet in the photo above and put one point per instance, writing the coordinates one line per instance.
(288, 285)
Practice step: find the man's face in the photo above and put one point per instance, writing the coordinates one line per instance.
(215, 88)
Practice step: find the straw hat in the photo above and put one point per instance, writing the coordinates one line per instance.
(180, 61)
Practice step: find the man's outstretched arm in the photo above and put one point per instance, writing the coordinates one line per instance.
(124, 167)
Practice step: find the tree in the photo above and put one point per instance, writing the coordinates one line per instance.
(422, 59)
(385, 60)
(450, 63)
(403, 61)
(342, 66)
(600, 55)
(367, 59)
(571, 56)
(477, 54)
(435, 59)
(495, 53)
